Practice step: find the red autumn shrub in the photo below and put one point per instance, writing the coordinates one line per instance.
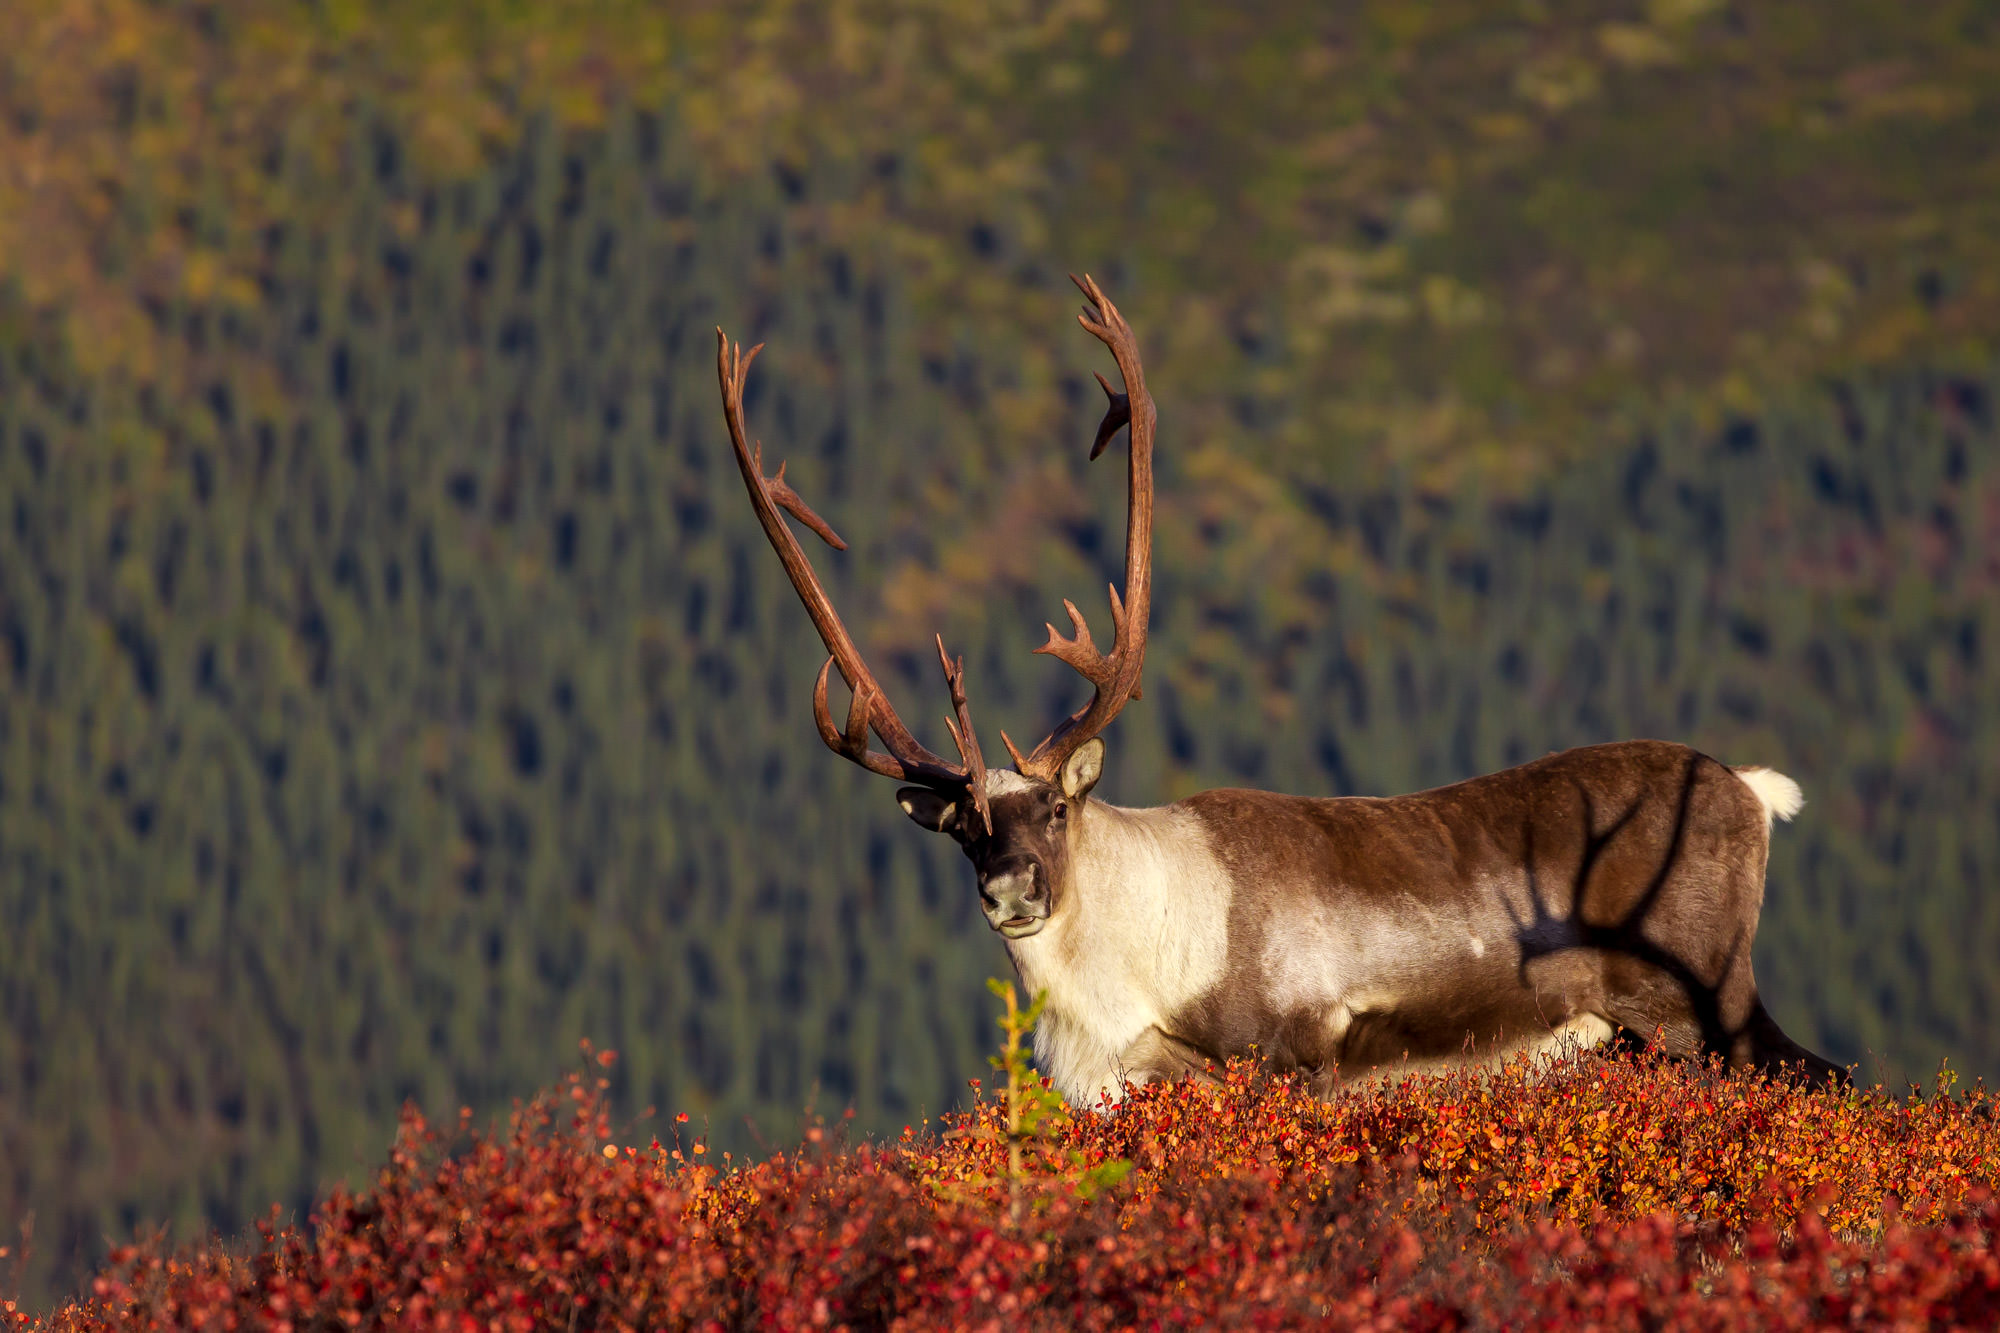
(1595, 1191)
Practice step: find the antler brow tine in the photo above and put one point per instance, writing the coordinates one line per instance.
(962, 735)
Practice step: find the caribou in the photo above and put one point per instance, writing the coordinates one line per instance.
(1604, 893)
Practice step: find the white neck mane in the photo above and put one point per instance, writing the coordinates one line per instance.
(1140, 929)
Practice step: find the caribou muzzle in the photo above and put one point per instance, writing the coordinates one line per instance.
(1016, 901)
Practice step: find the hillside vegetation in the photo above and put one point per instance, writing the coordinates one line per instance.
(1593, 1194)
(393, 686)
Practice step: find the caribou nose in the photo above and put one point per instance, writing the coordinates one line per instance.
(1015, 890)
(1009, 886)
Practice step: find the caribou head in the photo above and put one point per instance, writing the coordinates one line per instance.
(1016, 827)
(1023, 860)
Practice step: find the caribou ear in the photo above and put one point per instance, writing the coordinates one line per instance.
(932, 811)
(1080, 771)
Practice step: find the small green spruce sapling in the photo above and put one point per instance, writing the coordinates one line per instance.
(1033, 1108)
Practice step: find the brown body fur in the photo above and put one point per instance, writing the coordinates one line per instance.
(1622, 881)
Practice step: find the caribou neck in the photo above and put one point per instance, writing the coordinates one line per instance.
(1140, 931)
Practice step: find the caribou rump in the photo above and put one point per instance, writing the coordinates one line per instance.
(1608, 892)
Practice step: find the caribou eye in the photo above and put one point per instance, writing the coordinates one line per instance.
(1062, 808)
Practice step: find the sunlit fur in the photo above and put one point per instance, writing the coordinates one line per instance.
(1141, 931)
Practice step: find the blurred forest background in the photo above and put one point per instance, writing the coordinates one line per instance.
(395, 687)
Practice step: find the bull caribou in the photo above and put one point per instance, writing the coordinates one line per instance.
(1604, 891)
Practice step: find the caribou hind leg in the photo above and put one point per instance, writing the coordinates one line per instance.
(1766, 1047)
(1686, 1020)
(1660, 983)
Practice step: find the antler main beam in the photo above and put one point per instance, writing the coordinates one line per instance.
(1114, 675)
(907, 759)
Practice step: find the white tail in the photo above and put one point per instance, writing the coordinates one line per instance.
(1781, 796)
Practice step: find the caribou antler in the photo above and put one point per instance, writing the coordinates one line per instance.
(870, 709)
(1115, 675)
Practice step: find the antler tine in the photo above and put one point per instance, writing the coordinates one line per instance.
(788, 500)
(1115, 675)
(1117, 415)
(870, 708)
(962, 735)
(1080, 652)
(852, 743)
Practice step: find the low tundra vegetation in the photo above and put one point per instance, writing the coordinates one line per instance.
(1621, 1191)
